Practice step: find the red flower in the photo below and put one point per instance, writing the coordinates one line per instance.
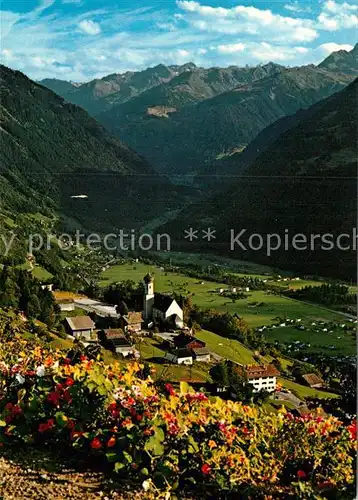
(96, 444)
(70, 424)
(9, 406)
(69, 381)
(50, 423)
(54, 397)
(17, 410)
(43, 427)
(47, 425)
(353, 429)
(67, 397)
(170, 389)
(205, 469)
(301, 474)
(83, 357)
(67, 361)
(173, 429)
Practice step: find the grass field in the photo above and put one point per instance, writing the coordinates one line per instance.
(205, 295)
(320, 341)
(41, 274)
(151, 352)
(303, 392)
(226, 348)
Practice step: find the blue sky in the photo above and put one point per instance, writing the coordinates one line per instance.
(85, 39)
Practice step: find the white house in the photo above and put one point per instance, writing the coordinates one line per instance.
(262, 378)
(80, 326)
(66, 305)
(180, 357)
(158, 306)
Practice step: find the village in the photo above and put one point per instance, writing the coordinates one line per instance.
(178, 341)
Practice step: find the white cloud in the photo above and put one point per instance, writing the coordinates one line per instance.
(231, 48)
(89, 27)
(43, 44)
(249, 20)
(266, 52)
(166, 26)
(337, 16)
(328, 48)
(296, 7)
(182, 53)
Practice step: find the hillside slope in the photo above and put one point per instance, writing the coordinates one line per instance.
(305, 182)
(52, 150)
(187, 140)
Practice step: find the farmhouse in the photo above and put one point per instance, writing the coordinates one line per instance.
(262, 378)
(180, 357)
(185, 341)
(201, 354)
(131, 322)
(312, 380)
(160, 307)
(80, 326)
(123, 346)
(115, 336)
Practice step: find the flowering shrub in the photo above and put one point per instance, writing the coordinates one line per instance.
(168, 438)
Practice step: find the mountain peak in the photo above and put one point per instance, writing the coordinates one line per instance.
(343, 61)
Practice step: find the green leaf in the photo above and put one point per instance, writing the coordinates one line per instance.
(154, 445)
(118, 466)
(193, 445)
(128, 457)
(111, 456)
(61, 419)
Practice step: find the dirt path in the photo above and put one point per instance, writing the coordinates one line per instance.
(32, 475)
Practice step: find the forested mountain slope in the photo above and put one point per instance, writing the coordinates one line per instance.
(195, 136)
(305, 182)
(52, 150)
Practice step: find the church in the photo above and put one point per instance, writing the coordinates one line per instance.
(159, 307)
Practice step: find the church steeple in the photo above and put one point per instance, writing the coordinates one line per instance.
(148, 296)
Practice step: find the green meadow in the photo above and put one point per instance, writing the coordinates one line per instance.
(260, 308)
(320, 341)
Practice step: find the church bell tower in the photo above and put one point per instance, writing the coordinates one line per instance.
(148, 296)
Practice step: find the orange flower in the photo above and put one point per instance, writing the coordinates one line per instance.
(212, 444)
(111, 442)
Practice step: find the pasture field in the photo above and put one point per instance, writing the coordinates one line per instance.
(344, 342)
(226, 348)
(260, 308)
(152, 353)
(302, 392)
(41, 274)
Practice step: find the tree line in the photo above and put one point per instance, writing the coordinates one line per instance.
(19, 290)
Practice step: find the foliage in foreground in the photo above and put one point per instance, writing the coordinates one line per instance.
(164, 438)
